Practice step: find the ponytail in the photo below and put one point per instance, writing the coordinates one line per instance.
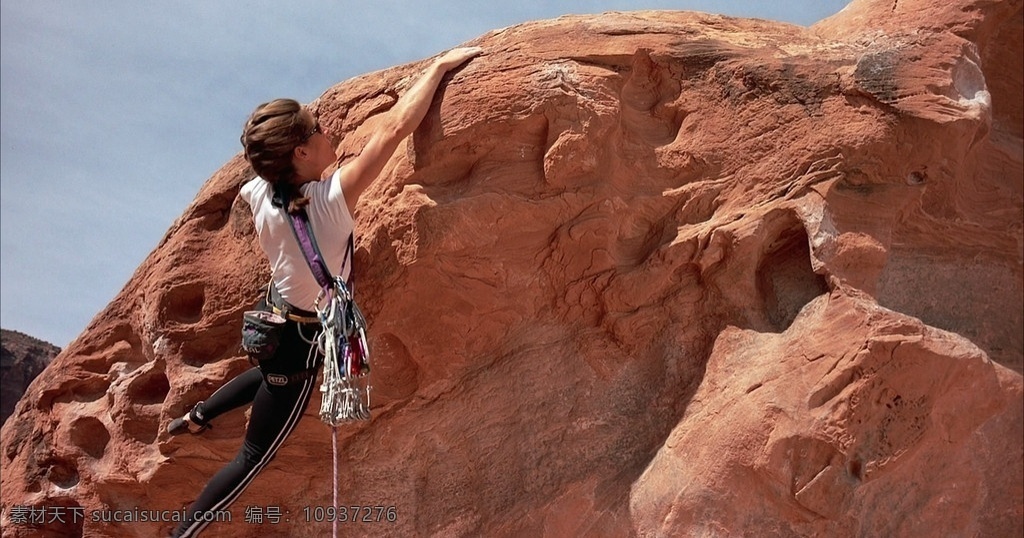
(269, 138)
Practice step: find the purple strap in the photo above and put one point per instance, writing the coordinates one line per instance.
(316, 263)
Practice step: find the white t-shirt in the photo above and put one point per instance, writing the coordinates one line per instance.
(331, 224)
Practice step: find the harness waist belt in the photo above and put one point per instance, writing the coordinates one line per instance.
(282, 308)
(294, 317)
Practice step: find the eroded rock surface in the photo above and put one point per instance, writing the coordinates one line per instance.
(651, 274)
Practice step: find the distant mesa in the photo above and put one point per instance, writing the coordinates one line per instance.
(22, 358)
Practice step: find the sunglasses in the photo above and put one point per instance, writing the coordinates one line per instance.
(316, 129)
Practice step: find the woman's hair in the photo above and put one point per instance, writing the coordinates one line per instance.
(270, 137)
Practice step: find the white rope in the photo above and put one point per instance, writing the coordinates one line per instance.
(334, 445)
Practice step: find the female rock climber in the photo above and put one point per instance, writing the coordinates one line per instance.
(289, 151)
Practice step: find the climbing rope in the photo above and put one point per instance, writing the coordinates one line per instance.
(334, 451)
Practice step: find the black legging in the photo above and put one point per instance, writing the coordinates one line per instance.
(276, 411)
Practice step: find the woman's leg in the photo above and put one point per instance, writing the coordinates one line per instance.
(276, 411)
(237, 392)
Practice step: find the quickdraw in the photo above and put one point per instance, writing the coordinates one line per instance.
(345, 388)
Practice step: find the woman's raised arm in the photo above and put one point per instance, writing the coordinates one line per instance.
(398, 123)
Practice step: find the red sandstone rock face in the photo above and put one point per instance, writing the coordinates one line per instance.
(652, 274)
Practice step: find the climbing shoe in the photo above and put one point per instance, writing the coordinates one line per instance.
(186, 424)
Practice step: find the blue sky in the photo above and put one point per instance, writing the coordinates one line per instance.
(115, 113)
